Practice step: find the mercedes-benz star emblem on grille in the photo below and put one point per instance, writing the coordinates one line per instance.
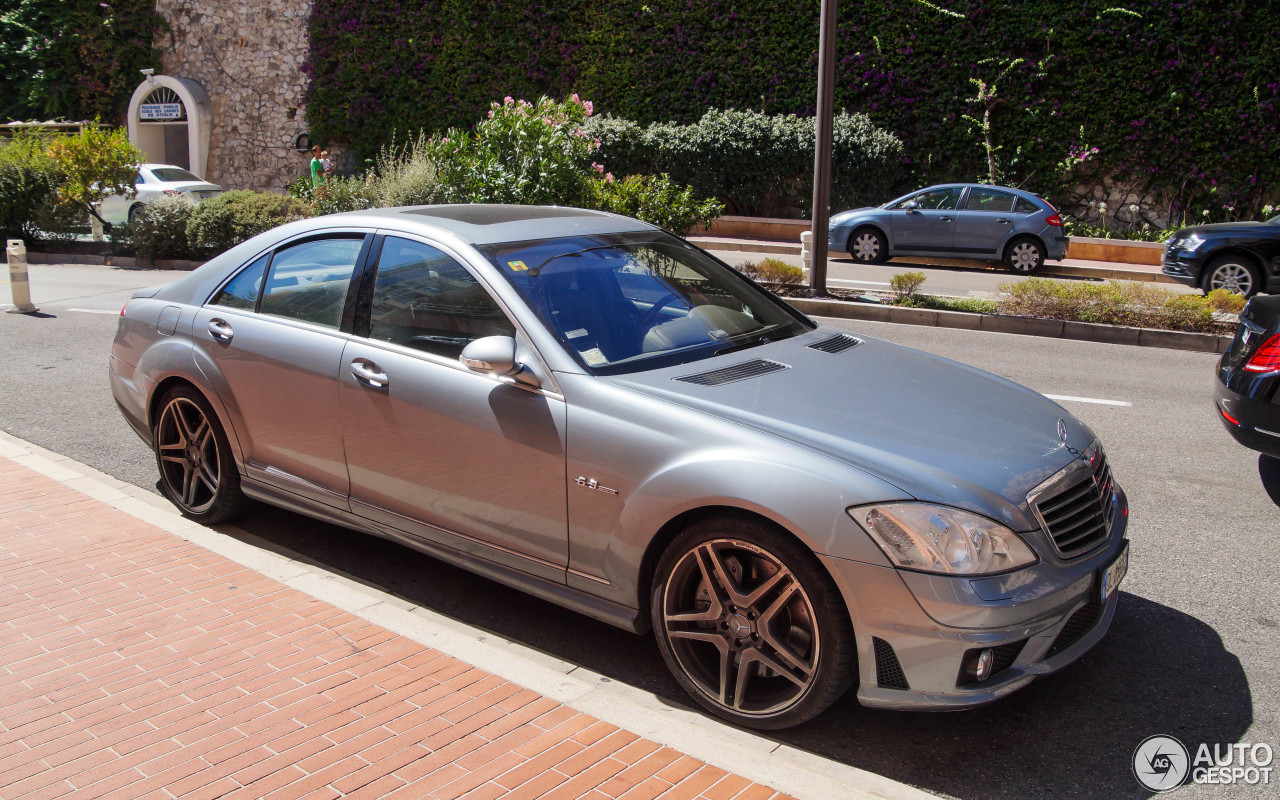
(1062, 433)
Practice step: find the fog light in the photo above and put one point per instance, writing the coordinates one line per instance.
(982, 670)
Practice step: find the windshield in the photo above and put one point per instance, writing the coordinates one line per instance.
(172, 174)
(629, 302)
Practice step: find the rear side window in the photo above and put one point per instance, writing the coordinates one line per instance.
(989, 200)
(1025, 206)
(308, 282)
(243, 290)
(424, 299)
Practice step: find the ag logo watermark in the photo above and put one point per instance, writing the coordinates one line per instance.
(1161, 763)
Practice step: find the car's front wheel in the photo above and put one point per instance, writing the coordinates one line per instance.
(135, 211)
(868, 245)
(751, 625)
(1024, 256)
(1232, 273)
(197, 471)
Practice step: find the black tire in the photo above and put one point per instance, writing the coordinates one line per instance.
(1024, 255)
(764, 640)
(135, 211)
(868, 246)
(1232, 272)
(187, 438)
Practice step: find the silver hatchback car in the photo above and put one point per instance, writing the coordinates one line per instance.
(955, 220)
(596, 412)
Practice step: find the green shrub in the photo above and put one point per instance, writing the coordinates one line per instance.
(757, 164)
(1225, 301)
(160, 231)
(906, 285)
(657, 200)
(774, 271)
(1143, 305)
(28, 177)
(404, 176)
(972, 305)
(233, 217)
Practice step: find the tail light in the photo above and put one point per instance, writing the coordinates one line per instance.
(172, 192)
(1054, 220)
(124, 308)
(1267, 357)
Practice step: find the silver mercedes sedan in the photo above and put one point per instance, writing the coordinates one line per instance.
(596, 412)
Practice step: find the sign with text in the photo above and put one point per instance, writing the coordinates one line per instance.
(160, 111)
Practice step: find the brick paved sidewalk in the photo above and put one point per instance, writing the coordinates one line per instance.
(135, 664)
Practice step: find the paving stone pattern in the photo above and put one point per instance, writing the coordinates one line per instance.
(134, 664)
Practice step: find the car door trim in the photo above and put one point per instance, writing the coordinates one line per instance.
(276, 472)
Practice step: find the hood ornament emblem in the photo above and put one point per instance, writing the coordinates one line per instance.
(1062, 433)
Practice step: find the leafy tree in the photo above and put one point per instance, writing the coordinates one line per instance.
(95, 163)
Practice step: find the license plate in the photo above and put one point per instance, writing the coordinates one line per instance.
(1114, 573)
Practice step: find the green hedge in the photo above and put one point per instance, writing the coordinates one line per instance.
(1181, 100)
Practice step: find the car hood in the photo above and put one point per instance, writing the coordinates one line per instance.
(1228, 227)
(941, 431)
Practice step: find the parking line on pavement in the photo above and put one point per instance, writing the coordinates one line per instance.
(93, 310)
(860, 283)
(1094, 400)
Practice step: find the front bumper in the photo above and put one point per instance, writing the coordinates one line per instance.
(914, 631)
(1181, 265)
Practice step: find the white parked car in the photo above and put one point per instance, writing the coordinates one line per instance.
(155, 181)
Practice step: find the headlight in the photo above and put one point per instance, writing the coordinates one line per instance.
(1191, 242)
(942, 540)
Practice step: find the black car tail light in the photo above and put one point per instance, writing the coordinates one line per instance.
(1266, 358)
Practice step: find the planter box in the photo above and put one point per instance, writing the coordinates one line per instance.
(1120, 250)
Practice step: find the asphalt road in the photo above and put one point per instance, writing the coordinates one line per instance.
(1194, 651)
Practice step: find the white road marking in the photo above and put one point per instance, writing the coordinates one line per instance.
(93, 310)
(1094, 400)
(860, 283)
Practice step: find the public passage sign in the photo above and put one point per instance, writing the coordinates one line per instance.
(160, 111)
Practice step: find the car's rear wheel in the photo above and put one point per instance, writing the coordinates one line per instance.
(1024, 256)
(868, 245)
(197, 471)
(135, 211)
(1233, 273)
(751, 625)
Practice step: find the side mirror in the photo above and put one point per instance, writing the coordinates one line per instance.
(912, 205)
(492, 355)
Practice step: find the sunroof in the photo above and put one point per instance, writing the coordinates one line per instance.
(495, 214)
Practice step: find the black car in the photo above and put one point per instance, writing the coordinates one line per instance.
(1248, 389)
(1242, 257)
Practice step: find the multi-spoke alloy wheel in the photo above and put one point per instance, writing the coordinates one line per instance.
(196, 472)
(744, 635)
(1233, 275)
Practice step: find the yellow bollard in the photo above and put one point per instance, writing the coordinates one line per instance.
(18, 282)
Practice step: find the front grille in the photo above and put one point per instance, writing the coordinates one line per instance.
(1080, 623)
(1078, 518)
(835, 344)
(737, 372)
(889, 674)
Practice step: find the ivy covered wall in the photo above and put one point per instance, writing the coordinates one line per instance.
(1172, 106)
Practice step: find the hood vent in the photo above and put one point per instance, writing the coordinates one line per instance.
(737, 372)
(835, 344)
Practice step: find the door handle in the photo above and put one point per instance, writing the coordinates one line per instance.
(946, 219)
(220, 330)
(1003, 221)
(369, 373)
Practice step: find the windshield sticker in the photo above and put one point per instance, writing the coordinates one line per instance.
(517, 266)
(594, 357)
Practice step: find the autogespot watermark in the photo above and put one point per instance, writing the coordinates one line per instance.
(1161, 763)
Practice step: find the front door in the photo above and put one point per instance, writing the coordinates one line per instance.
(462, 459)
(929, 228)
(273, 357)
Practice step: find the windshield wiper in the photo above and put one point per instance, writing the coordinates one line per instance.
(763, 336)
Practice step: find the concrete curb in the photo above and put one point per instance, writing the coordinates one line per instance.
(1059, 270)
(1026, 326)
(796, 772)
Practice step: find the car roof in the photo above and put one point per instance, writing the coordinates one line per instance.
(480, 224)
(1019, 192)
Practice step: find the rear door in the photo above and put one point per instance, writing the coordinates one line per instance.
(464, 460)
(985, 222)
(270, 342)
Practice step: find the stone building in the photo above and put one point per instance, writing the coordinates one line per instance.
(226, 100)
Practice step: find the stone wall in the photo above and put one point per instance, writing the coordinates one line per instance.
(248, 56)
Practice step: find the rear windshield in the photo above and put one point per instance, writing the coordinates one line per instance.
(172, 174)
(629, 302)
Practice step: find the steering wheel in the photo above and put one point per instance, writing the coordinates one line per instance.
(646, 322)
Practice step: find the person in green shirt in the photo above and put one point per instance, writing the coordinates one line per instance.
(317, 168)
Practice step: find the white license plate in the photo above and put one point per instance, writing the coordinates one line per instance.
(1113, 574)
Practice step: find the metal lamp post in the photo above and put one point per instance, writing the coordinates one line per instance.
(822, 148)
